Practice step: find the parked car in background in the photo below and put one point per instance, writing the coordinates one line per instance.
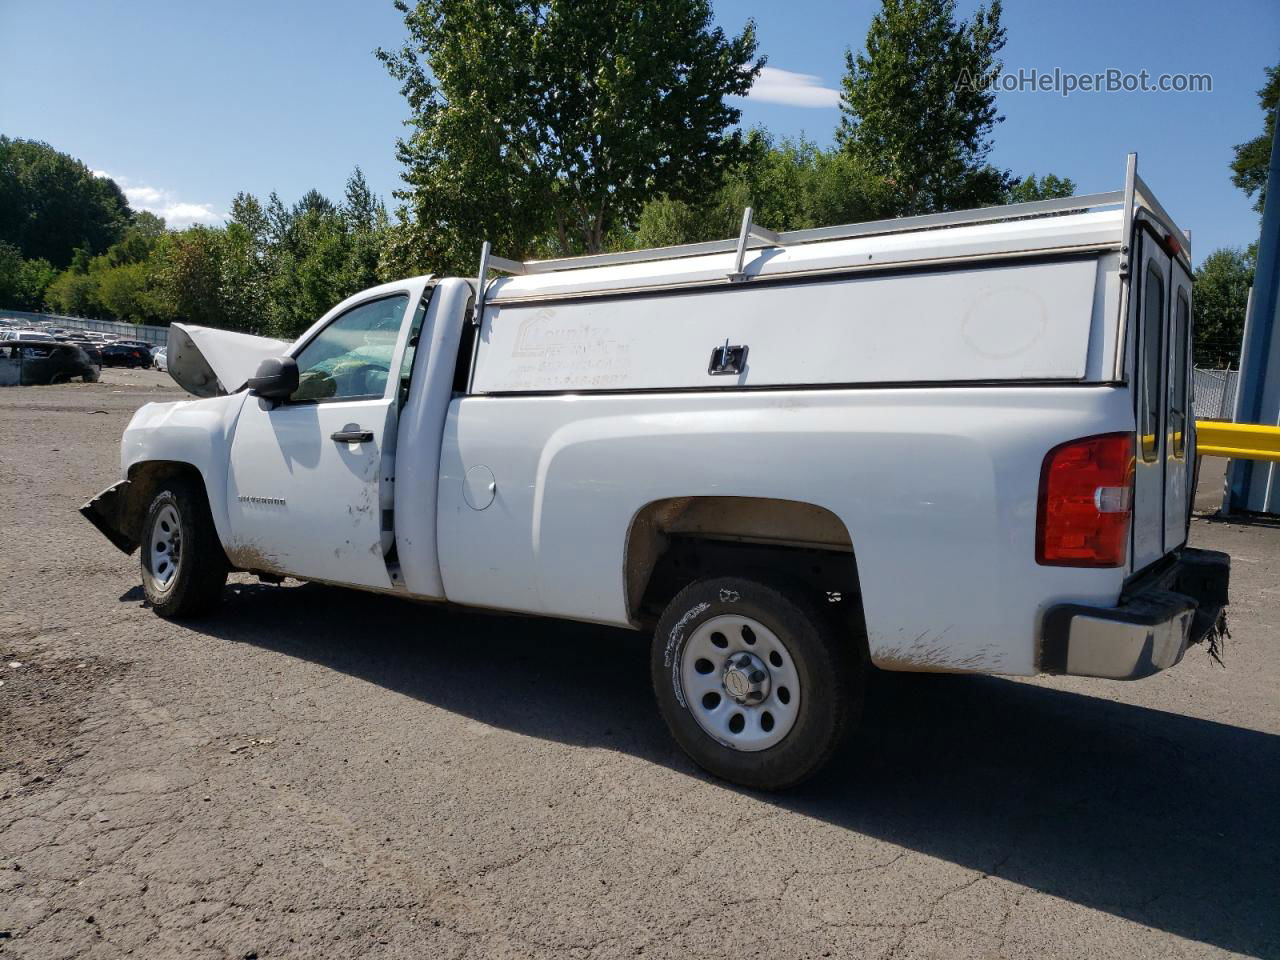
(161, 359)
(31, 363)
(20, 334)
(92, 348)
(124, 354)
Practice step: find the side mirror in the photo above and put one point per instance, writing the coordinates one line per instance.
(276, 379)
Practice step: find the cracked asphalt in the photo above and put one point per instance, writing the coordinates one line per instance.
(316, 773)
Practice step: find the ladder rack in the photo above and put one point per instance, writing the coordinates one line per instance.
(752, 236)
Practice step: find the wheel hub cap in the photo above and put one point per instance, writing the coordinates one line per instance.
(737, 678)
(166, 547)
(745, 678)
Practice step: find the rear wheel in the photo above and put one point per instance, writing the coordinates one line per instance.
(183, 566)
(754, 683)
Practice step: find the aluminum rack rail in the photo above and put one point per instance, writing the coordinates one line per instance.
(755, 237)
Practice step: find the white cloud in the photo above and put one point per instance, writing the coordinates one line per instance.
(775, 85)
(163, 203)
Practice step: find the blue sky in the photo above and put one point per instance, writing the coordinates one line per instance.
(188, 103)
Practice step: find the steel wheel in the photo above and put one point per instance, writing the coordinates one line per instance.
(740, 682)
(166, 547)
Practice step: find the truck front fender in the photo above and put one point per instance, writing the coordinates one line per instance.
(195, 435)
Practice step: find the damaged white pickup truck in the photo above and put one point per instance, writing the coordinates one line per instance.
(958, 442)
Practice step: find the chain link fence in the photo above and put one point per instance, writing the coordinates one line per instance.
(1215, 393)
(128, 331)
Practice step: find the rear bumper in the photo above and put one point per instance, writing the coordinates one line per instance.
(106, 511)
(1148, 631)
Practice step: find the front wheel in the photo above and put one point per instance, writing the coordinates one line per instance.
(753, 682)
(183, 566)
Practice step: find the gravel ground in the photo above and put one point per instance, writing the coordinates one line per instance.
(314, 773)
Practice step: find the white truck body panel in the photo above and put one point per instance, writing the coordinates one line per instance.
(421, 430)
(1024, 321)
(931, 498)
(194, 432)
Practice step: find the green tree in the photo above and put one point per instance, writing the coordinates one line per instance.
(1048, 187)
(246, 265)
(790, 184)
(365, 219)
(34, 278)
(129, 292)
(73, 293)
(189, 276)
(23, 282)
(51, 203)
(1220, 298)
(1253, 159)
(918, 109)
(139, 239)
(545, 124)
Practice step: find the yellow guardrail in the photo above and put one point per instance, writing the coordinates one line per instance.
(1243, 441)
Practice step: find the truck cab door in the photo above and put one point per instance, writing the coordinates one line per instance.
(309, 483)
(1151, 283)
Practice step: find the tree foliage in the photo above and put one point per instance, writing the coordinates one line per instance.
(546, 124)
(23, 282)
(272, 269)
(917, 110)
(51, 204)
(1049, 187)
(1220, 298)
(1253, 158)
(790, 184)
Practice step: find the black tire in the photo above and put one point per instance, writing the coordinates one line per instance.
(195, 582)
(92, 375)
(830, 672)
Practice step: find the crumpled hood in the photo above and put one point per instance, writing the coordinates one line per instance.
(209, 362)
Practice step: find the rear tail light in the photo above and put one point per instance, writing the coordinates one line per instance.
(1086, 502)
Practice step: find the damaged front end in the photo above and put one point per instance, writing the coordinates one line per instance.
(108, 511)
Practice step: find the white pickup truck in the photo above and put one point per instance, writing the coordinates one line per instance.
(958, 442)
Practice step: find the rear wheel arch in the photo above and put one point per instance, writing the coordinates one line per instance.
(795, 544)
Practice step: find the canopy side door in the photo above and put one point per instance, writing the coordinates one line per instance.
(1150, 401)
(1180, 433)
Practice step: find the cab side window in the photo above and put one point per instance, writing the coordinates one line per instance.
(350, 359)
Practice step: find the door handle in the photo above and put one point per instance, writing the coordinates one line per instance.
(352, 436)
